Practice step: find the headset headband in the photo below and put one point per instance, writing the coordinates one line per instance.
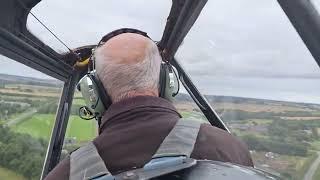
(117, 32)
(112, 34)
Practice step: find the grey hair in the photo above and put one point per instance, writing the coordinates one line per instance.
(121, 79)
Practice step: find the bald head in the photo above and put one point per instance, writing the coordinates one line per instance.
(129, 65)
(127, 48)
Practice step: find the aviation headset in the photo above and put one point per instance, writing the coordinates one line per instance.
(96, 96)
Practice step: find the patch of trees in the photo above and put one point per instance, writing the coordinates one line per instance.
(51, 108)
(48, 108)
(53, 83)
(8, 109)
(294, 130)
(21, 153)
(14, 99)
(2, 83)
(306, 124)
(296, 114)
(227, 99)
(280, 147)
(17, 95)
(235, 115)
(286, 137)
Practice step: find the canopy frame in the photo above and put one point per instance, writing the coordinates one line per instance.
(17, 43)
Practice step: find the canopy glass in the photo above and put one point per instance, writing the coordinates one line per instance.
(249, 49)
(79, 23)
(245, 49)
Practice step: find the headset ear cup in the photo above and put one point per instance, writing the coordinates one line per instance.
(176, 81)
(94, 94)
(103, 94)
(169, 82)
(88, 89)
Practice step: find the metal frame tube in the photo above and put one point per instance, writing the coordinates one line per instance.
(183, 15)
(305, 17)
(60, 126)
(200, 100)
(16, 49)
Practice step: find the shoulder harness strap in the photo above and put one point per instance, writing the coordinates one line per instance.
(181, 140)
(86, 163)
(177, 147)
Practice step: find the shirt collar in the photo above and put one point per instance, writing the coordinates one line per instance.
(133, 103)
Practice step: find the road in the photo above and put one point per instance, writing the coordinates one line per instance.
(312, 169)
(22, 117)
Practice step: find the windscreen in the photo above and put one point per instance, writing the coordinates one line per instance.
(80, 23)
(256, 72)
(244, 56)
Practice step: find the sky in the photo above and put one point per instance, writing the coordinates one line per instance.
(244, 48)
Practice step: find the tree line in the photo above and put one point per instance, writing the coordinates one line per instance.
(236, 115)
(8, 109)
(52, 107)
(286, 137)
(21, 153)
(298, 131)
(276, 146)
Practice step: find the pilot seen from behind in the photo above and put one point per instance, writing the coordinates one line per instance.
(138, 120)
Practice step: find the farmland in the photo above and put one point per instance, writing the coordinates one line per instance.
(7, 174)
(42, 124)
(283, 137)
(317, 174)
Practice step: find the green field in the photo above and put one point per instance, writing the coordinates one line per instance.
(260, 122)
(78, 101)
(304, 166)
(316, 175)
(81, 129)
(7, 174)
(315, 145)
(196, 116)
(40, 126)
(186, 114)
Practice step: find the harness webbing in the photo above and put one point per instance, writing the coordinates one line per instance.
(86, 163)
(180, 141)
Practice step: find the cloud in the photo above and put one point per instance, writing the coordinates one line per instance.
(80, 23)
(247, 39)
(240, 48)
(8, 66)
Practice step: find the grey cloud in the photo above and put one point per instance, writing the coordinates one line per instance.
(8, 66)
(85, 22)
(248, 38)
(240, 48)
